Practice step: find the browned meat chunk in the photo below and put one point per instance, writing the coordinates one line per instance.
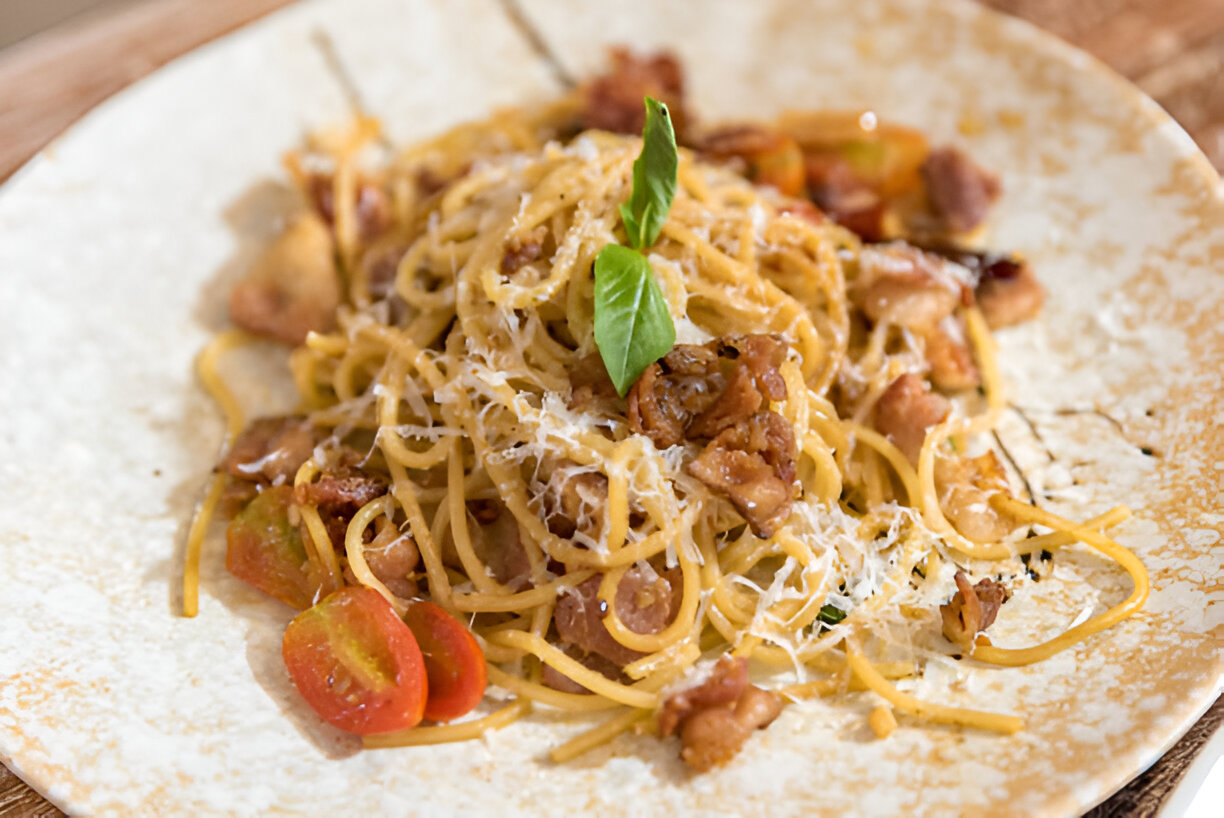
(959, 190)
(972, 609)
(613, 102)
(752, 464)
(342, 490)
(551, 677)
(372, 208)
(574, 503)
(850, 201)
(903, 285)
(717, 717)
(906, 410)
(727, 682)
(589, 382)
(769, 157)
(496, 541)
(671, 392)
(947, 351)
(392, 556)
(293, 288)
(1009, 294)
(523, 249)
(270, 450)
(965, 485)
(695, 392)
(646, 602)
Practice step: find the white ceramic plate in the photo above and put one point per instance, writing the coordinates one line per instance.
(115, 239)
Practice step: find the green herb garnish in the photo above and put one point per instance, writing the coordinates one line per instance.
(633, 327)
(654, 178)
(830, 615)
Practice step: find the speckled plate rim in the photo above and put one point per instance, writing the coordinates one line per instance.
(38, 184)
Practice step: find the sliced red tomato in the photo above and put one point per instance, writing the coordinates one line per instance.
(265, 550)
(453, 660)
(356, 663)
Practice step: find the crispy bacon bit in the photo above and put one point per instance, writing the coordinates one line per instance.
(960, 191)
(497, 542)
(392, 556)
(906, 410)
(752, 464)
(646, 602)
(372, 208)
(903, 285)
(613, 102)
(770, 158)
(850, 201)
(589, 383)
(695, 392)
(727, 682)
(342, 489)
(972, 609)
(293, 287)
(1006, 289)
(270, 450)
(671, 392)
(523, 249)
(575, 503)
(716, 717)
(1008, 294)
(947, 351)
(551, 677)
(965, 485)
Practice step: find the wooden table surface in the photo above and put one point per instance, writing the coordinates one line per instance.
(1172, 49)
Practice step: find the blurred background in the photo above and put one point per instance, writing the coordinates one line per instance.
(59, 58)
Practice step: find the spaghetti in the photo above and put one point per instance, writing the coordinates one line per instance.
(457, 378)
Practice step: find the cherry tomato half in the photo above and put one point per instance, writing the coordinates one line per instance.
(453, 661)
(265, 550)
(356, 663)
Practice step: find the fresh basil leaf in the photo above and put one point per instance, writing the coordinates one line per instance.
(654, 178)
(633, 327)
(830, 615)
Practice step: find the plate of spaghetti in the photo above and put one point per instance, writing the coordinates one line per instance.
(734, 409)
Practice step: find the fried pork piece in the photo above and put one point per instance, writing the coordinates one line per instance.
(392, 555)
(851, 201)
(342, 487)
(959, 190)
(972, 609)
(497, 542)
(1009, 294)
(721, 391)
(372, 207)
(695, 392)
(293, 288)
(716, 717)
(965, 485)
(589, 383)
(646, 602)
(270, 450)
(523, 249)
(947, 353)
(906, 411)
(1006, 290)
(613, 101)
(903, 285)
(574, 502)
(752, 464)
